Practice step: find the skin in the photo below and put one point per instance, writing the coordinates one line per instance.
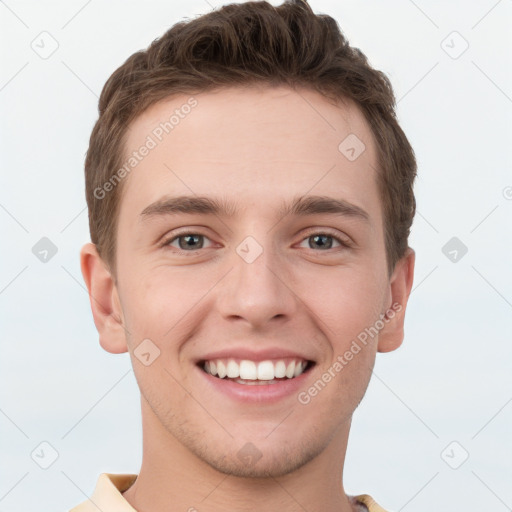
(253, 147)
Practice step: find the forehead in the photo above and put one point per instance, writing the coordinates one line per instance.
(253, 145)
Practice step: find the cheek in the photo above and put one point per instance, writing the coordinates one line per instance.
(157, 308)
(154, 295)
(167, 306)
(351, 381)
(346, 301)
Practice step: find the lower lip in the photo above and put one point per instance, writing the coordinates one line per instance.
(264, 393)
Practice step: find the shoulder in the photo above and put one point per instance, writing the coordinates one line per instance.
(107, 494)
(369, 504)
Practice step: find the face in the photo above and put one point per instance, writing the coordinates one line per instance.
(247, 233)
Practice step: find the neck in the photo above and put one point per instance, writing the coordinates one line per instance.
(172, 478)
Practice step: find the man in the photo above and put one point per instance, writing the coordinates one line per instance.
(250, 199)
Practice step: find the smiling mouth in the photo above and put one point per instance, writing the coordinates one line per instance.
(256, 373)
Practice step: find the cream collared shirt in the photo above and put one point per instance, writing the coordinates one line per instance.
(107, 496)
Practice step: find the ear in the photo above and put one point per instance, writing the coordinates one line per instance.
(400, 284)
(104, 298)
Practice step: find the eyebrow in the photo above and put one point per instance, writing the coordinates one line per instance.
(300, 206)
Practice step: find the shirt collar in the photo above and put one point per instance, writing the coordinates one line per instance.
(107, 495)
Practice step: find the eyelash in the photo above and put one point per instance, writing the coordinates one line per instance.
(344, 243)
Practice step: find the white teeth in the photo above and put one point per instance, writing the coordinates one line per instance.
(265, 371)
(248, 370)
(290, 371)
(251, 370)
(221, 369)
(233, 370)
(280, 369)
(255, 382)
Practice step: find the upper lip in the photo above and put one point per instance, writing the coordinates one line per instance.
(254, 355)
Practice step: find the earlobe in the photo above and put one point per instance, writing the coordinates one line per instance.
(392, 335)
(104, 299)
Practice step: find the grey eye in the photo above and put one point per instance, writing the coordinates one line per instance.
(320, 241)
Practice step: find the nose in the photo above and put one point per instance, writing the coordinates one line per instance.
(257, 292)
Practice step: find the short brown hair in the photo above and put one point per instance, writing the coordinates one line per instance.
(241, 45)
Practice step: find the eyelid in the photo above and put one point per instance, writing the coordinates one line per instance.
(168, 238)
(343, 240)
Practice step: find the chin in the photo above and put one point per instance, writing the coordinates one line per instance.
(261, 459)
